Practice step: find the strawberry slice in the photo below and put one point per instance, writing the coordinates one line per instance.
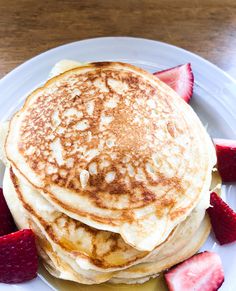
(202, 272)
(7, 224)
(226, 159)
(223, 220)
(18, 257)
(180, 79)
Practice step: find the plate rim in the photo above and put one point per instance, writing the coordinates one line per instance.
(161, 43)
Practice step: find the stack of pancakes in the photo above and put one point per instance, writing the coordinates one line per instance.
(112, 170)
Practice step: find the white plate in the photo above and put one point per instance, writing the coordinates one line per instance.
(214, 101)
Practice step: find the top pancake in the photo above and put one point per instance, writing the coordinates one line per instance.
(112, 146)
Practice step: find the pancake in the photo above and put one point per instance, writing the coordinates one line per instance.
(4, 126)
(111, 146)
(91, 248)
(150, 269)
(60, 264)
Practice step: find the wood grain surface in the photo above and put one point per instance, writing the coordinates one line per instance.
(29, 27)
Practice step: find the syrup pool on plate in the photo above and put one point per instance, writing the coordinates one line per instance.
(157, 284)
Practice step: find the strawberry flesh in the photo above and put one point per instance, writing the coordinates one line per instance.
(7, 224)
(18, 257)
(201, 272)
(180, 79)
(223, 220)
(226, 159)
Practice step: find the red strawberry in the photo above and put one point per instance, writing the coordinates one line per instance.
(180, 79)
(223, 220)
(18, 257)
(202, 272)
(226, 159)
(7, 224)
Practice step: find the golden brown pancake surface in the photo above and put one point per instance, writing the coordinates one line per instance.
(113, 147)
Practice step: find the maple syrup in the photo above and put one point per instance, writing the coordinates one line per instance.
(157, 284)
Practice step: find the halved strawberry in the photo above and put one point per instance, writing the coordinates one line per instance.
(223, 220)
(180, 79)
(202, 272)
(18, 257)
(226, 159)
(7, 224)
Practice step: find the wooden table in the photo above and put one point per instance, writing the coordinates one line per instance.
(206, 27)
